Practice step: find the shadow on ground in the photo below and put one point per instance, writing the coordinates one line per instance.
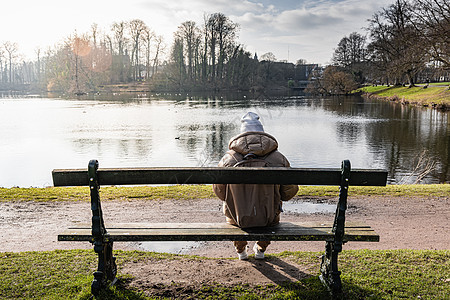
(198, 278)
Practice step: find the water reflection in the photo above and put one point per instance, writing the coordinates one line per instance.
(40, 134)
(410, 133)
(406, 138)
(212, 139)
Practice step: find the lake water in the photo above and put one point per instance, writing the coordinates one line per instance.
(40, 134)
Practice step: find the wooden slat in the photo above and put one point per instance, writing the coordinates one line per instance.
(138, 176)
(220, 232)
(312, 224)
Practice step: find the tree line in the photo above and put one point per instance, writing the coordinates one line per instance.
(404, 43)
(128, 51)
(202, 57)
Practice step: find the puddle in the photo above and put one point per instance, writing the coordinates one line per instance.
(308, 207)
(169, 247)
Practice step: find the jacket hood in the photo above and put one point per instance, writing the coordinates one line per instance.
(258, 143)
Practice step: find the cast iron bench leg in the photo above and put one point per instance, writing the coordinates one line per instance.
(107, 268)
(331, 276)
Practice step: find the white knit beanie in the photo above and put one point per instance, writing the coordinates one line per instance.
(250, 122)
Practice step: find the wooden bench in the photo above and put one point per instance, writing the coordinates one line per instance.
(334, 232)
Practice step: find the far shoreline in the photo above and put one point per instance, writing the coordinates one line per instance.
(428, 96)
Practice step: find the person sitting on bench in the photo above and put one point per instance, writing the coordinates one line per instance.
(253, 205)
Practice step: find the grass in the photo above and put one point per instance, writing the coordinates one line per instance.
(107, 193)
(438, 83)
(434, 95)
(420, 190)
(188, 192)
(366, 274)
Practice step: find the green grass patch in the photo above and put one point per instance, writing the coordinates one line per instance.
(45, 275)
(397, 274)
(434, 94)
(366, 274)
(187, 192)
(410, 190)
(44, 194)
(439, 83)
(107, 193)
(373, 89)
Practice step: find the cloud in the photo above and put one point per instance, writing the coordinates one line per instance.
(196, 8)
(256, 23)
(311, 16)
(303, 19)
(311, 30)
(265, 25)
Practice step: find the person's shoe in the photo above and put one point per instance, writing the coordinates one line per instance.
(258, 253)
(243, 255)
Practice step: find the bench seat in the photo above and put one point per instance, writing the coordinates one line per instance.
(285, 231)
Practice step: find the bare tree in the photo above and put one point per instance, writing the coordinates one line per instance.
(80, 48)
(11, 51)
(178, 72)
(2, 77)
(227, 33)
(395, 45)
(431, 18)
(94, 30)
(109, 41)
(118, 29)
(211, 38)
(189, 33)
(351, 54)
(120, 40)
(137, 28)
(159, 48)
(38, 65)
(350, 50)
(219, 40)
(206, 37)
(147, 37)
(220, 33)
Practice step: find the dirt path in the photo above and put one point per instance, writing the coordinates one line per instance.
(412, 223)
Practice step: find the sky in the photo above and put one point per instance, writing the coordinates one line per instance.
(291, 30)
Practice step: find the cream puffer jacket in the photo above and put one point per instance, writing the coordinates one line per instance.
(254, 205)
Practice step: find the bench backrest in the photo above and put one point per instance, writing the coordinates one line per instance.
(202, 175)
